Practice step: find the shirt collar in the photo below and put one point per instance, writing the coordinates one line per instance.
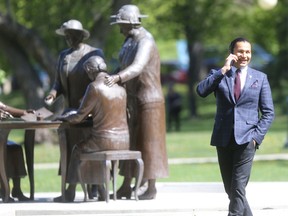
(243, 73)
(243, 69)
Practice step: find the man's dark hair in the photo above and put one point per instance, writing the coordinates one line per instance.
(235, 41)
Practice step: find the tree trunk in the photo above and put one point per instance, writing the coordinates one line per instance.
(98, 38)
(22, 49)
(24, 73)
(29, 43)
(196, 58)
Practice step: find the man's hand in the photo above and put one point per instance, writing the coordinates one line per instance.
(228, 63)
(254, 142)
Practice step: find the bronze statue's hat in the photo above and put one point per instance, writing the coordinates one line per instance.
(128, 14)
(72, 25)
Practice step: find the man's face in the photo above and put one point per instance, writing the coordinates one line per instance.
(243, 51)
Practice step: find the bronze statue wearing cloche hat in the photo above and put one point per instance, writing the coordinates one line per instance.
(128, 14)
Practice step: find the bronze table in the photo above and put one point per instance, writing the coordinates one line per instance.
(29, 127)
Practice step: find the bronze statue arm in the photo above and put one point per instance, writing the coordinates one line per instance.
(15, 112)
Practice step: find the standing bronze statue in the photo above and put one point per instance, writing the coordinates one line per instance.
(71, 79)
(107, 107)
(140, 71)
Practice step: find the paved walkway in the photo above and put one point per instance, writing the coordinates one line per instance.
(173, 199)
(180, 199)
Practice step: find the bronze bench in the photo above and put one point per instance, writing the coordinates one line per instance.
(110, 160)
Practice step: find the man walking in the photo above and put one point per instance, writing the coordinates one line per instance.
(244, 114)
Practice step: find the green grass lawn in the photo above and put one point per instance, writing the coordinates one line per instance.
(192, 141)
(179, 145)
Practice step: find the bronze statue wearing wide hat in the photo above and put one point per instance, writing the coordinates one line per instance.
(72, 25)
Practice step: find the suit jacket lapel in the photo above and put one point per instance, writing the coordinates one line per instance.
(248, 82)
(230, 83)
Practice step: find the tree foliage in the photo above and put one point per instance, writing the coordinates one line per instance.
(27, 32)
(28, 40)
(205, 22)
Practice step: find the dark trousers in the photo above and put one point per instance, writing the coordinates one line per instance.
(235, 163)
(174, 116)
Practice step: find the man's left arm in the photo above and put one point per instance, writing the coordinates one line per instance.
(266, 108)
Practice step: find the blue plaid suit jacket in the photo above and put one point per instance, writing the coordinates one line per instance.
(250, 117)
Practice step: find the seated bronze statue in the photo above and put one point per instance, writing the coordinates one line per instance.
(107, 108)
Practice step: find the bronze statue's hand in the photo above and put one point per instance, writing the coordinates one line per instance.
(49, 99)
(5, 115)
(30, 111)
(111, 80)
(64, 116)
(60, 118)
(69, 113)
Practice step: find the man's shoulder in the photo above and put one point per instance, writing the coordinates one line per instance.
(255, 71)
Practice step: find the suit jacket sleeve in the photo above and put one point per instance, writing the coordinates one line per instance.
(266, 109)
(210, 84)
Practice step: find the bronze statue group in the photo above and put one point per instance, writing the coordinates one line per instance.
(127, 108)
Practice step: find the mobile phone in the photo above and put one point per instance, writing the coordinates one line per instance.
(232, 62)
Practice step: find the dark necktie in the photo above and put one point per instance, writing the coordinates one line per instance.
(237, 85)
